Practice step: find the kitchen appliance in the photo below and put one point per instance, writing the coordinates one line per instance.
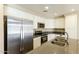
(18, 35)
(43, 39)
(41, 25)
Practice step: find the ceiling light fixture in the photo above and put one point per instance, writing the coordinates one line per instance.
(46, 7)
(72, 9)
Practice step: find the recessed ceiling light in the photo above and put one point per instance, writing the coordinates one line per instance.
(46, 7)
(72, 9)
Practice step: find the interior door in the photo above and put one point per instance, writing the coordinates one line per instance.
(27, 35)
(13, 35)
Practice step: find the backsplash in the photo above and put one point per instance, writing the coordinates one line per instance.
(49, 29)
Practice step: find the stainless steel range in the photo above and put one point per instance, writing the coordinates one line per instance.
(43, 36)
(43, 39)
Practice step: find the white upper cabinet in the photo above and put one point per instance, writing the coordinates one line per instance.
(60, 22)
(71, 25)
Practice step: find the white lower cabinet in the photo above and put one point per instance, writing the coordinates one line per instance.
(51, 37)
(36, 42)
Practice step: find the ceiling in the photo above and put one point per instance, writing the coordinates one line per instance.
(53, 11)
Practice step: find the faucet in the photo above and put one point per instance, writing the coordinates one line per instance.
(67, 38)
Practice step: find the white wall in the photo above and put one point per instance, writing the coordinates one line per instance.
(78, 26)
(59, 22)
(1, 29)
(50, 23)
(38, 19)
(11, 11)
(71, 25)
(17, 13)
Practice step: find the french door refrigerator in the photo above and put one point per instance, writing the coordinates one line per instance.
(18, 35)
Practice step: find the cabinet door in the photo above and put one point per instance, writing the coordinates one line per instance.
(71, 26)
(51, 37)
(36, 42)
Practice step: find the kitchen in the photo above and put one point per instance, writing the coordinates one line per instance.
(47, 25)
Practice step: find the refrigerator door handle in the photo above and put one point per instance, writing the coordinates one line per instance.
(21, 42)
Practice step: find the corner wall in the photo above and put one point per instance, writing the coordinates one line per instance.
(1, 29)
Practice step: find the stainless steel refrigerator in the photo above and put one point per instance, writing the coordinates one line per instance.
(18, 35)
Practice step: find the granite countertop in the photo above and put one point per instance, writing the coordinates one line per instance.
(55, 31)
(35, 36)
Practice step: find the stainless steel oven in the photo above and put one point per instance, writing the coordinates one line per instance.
(43, 39)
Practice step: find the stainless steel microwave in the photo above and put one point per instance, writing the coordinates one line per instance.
(41, 25)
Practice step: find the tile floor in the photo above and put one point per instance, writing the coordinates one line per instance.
(49, 48)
